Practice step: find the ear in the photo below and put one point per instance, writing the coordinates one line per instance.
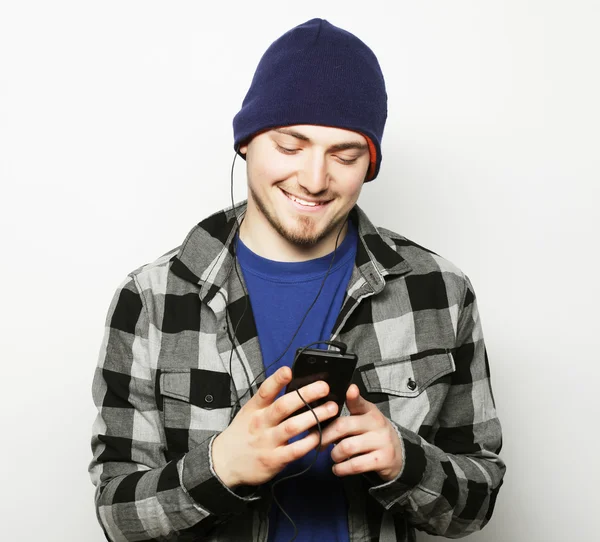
(244, 149)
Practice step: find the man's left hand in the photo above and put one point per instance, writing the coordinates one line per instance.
(366, 440)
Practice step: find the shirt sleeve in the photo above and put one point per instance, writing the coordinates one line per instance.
(449, 482)
(139, 494)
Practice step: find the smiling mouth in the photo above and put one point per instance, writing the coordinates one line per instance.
(306, 203)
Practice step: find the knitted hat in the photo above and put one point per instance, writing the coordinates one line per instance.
(317, 73)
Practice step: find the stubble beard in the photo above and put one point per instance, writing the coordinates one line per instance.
(302, 236)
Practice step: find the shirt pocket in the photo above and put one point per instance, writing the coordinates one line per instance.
(195, 404)
(412, 388)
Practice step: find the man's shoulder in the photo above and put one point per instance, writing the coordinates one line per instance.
(203, 239)
(151, 275)
(421, 259)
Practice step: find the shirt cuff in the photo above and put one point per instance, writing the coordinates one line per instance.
(414, 465)
(200, 481)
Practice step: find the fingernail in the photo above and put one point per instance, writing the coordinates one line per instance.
(332, 407)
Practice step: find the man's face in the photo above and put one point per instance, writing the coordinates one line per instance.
(303, 180)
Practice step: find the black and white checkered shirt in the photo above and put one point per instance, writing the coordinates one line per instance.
(164, 388)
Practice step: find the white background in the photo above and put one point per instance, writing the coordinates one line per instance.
(115, 139)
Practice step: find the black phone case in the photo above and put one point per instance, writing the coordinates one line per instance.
(334, 368)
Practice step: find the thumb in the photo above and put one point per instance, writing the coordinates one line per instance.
(355, 403)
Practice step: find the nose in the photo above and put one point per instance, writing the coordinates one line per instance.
(314, 176)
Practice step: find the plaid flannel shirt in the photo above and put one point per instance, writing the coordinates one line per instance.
(164, 388)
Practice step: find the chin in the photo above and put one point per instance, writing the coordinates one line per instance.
(307, 235)
(300, 237)
(303, 240)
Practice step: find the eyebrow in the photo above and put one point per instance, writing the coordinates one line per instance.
(334, 148)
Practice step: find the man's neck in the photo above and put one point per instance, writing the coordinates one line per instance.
(262, 239)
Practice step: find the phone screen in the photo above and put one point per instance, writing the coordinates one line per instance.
(334, 368)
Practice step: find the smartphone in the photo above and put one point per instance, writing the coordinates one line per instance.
(332, 367)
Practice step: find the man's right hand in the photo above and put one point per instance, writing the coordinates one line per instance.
(254, 448)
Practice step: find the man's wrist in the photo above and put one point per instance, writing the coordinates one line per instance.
(222, 466)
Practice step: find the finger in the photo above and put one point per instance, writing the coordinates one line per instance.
(372, 461)
(289, 403)
(303, 422)
(356, 445)
(343, 427)
(297, 449)
(271, 387)
(356, 404)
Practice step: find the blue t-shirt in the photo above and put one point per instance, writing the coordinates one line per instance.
(280, 294)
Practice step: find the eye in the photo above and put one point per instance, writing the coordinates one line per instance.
(346, 161)
(285, 150)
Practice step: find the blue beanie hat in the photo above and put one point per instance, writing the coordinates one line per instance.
(317, 73)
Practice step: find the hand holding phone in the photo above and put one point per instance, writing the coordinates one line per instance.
(335, 368)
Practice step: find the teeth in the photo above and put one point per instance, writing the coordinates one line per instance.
(302, 202)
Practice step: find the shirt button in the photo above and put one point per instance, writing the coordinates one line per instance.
(412, 385)
(209, 398)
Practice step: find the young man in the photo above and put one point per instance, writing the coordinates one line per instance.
(213, 326)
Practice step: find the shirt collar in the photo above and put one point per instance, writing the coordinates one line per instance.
(206, 255)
